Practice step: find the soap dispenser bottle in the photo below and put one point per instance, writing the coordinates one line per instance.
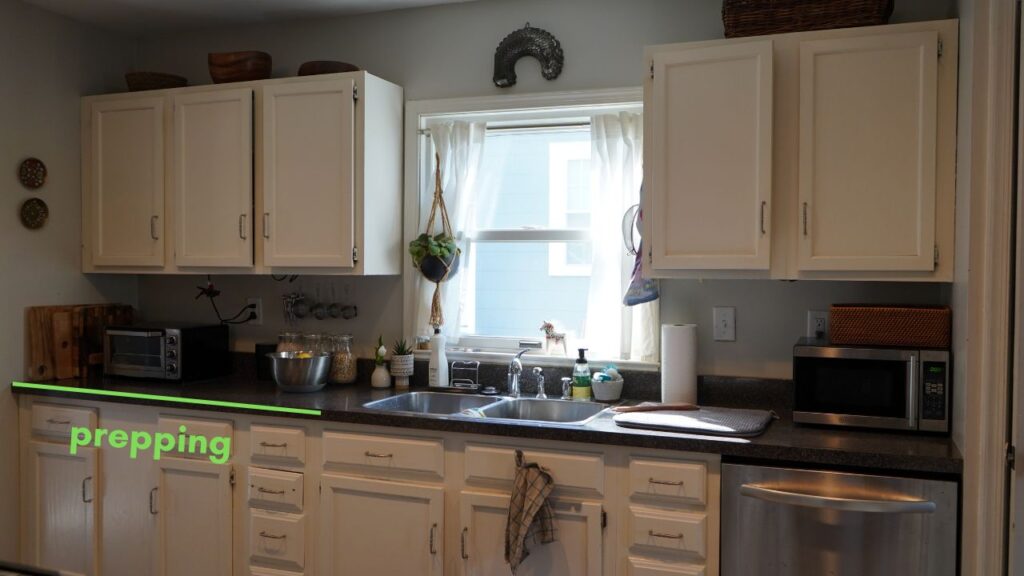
(581, 377)
(438, 368)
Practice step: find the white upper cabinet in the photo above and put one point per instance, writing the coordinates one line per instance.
(826, 155)
(308, 174)
(710, 156)
(123, 174)
(867, 152)
(212, 178)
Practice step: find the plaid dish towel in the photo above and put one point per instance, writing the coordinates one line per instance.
(529, 512)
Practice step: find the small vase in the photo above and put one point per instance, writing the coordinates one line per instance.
(402, 369)
(380, 377)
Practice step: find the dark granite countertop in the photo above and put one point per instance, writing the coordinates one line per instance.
(783, 442)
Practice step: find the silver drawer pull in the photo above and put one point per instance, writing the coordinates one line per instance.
(265, 534)
(152, 227)
(433, 550)
(652, 480)
(86, 499)
(242, 227)
(57, 422)
(462, 544)
(263, 490)
(378, 455)
(791, 498)
(152, 508)
(273, 445)
(654, 534)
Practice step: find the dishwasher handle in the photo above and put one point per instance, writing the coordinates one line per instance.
(835, 503)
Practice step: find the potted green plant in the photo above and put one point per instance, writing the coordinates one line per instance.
(380, 377)
(402, 362)
(436, 257)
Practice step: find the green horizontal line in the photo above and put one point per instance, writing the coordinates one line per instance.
(175, 399)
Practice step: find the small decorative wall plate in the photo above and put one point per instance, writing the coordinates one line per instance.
(32, 173)
(34, 213)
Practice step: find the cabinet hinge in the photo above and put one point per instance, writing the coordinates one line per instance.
(652, 69)
(355, 255)
(1011, 455)
(940, 48)
(355, 93)
(231, 476)
(650, 257)
(604, 519)
(936, 254)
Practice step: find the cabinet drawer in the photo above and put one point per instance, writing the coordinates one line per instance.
(278, 444)
(277, 538)
(261, 571)
(398, 453)
(578, 470)
(275, 490)
(679, 531)
(643, 567)
(208, 429)
(57, 421)
(680, 481)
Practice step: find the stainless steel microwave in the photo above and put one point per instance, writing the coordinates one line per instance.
(167, 352)
(890, 388)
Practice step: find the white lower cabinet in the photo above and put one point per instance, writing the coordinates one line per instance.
(380, 527)
(642, 567)
(577, 551)
(192, 503)
(62, 501)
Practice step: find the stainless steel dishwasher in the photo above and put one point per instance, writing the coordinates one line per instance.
(789, 522)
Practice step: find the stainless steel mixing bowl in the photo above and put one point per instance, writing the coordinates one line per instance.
(299, 374)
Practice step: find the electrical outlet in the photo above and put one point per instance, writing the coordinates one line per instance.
(725, 323)
(258, 310)
(817, 324)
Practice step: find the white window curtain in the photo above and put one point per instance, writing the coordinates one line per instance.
(460, 147)
(612, 329)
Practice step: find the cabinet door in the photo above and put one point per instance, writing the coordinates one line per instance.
(381, 527)
(710, 155)
(576, 552)
(212, 178)
(867, 152)
(62, 519)
(192, 503)
(308, 167)
(126, 183)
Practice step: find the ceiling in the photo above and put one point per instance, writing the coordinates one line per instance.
(136, 16)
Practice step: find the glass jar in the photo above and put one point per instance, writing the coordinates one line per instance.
(343, 362)
(289, 342)
(315, 343)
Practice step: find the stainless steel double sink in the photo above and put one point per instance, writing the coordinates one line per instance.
(490, 407)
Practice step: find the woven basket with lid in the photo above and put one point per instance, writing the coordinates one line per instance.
(756, 17)
(904, 326)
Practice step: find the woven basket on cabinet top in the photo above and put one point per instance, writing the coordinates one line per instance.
(905, 326)
(756, 17)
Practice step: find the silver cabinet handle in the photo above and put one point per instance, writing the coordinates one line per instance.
(274, 445)
(836, 503)
(57, 422)
(654, 534)
(266, 225)
(666, 482)
(462, 541)
(378, 455)
(152, 507)
(912, 392)
(265, 534)
(242, 218)
(763, 205)
(152, 227)
(805, 218)
(84, 480)
(433, 551)
(263, 490)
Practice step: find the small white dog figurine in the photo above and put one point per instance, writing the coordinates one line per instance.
(553, 338)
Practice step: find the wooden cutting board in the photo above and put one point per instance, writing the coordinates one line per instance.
(61, 342)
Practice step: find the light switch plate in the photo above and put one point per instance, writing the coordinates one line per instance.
(725, 323)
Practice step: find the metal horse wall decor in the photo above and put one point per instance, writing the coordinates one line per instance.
(527, 41)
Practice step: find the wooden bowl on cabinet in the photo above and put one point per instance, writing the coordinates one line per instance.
(314, 67)
(239, 66)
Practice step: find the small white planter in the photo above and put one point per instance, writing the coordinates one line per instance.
(402, 369)
(380, 377)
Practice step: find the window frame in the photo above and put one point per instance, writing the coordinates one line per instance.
(496, 111)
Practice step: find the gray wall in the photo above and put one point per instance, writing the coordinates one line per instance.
(448, 51)
(960, 291)
(48, 62)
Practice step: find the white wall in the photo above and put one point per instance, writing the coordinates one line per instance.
(47, 62)
(448, 51)
(960, 292)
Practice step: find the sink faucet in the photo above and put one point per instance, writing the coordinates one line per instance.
(515, 369)
(538, 372)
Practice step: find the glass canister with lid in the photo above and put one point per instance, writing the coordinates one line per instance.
(316, 343)
(289, 342)
(343, 361)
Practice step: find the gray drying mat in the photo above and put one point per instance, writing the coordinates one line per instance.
(705, 421)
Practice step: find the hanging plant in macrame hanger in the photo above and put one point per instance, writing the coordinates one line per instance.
(436, 256)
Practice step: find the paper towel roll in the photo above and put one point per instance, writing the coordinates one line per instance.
(679, 363)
